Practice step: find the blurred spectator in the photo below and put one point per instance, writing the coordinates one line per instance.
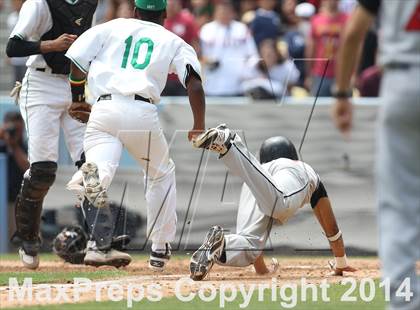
(270, 77)
(266, 24)
(347, 6)
(247, 6)
(203, 11)
(226, 45)
(288, 15)
(1, 5)
(101, 11)
(304, 12)
(369, 81)
(296, 37)
(315, 3)
(13, 146)
(322, 44)
(119, 9)
(182, 23)
(18, 63)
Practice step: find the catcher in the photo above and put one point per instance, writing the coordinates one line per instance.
(273, 191)
(44, 31)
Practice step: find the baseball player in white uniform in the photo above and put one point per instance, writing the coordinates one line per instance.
(127, 62)
(44, 31)
(273, 191)
(398, 143)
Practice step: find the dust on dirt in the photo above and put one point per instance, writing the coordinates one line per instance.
(139, 276)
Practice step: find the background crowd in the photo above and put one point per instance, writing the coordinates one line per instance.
(260, 48)
(264, 49)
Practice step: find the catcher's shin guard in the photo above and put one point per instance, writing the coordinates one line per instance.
(100, 224)
(36, 183)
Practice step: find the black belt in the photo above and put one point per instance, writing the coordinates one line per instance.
(49, 71)
(400, 66)
(136, 97)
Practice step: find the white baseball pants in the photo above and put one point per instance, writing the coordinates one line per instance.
(123, 121)
(44, 99)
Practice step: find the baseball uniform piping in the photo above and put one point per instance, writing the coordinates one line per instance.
(26, 112)
(77, 64)
(284, 196)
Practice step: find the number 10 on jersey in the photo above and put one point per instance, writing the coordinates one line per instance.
(134, 59)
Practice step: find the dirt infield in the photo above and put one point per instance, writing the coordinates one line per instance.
(291, 270)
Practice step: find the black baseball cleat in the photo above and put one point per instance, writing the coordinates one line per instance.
(203, 259)
(215, 139)
(158, 260)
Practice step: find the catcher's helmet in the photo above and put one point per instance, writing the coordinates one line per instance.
(277, 147)
(70, 244)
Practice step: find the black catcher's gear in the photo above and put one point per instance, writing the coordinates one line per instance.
(277, 147)
(71, 19)
(70, 244)
(100, 224)
(35, 185)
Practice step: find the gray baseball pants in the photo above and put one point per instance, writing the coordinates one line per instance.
(260, 203)
(398, 181)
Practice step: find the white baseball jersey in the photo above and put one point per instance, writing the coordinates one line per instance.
(232, 46)
(34, 21)
(295, 179)
(131, 56)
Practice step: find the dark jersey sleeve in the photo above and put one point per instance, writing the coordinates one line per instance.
(17, 47)
(371, 5)
(191, 72)
(319, 193)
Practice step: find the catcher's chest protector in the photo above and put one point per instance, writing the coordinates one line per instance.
(70, 19)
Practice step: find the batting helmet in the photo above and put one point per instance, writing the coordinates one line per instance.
(277, 147)
(70, 244)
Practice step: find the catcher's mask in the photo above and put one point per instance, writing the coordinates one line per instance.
(277, 147)
(70, 244)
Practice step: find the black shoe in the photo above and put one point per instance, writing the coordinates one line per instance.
(158, 260)
(203, 259)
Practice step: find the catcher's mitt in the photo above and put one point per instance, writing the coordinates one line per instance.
(80, 111)
(70, 244)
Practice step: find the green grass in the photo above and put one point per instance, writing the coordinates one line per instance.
(14, 256)
(335, 293)
(50, 257)
(60, 276)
